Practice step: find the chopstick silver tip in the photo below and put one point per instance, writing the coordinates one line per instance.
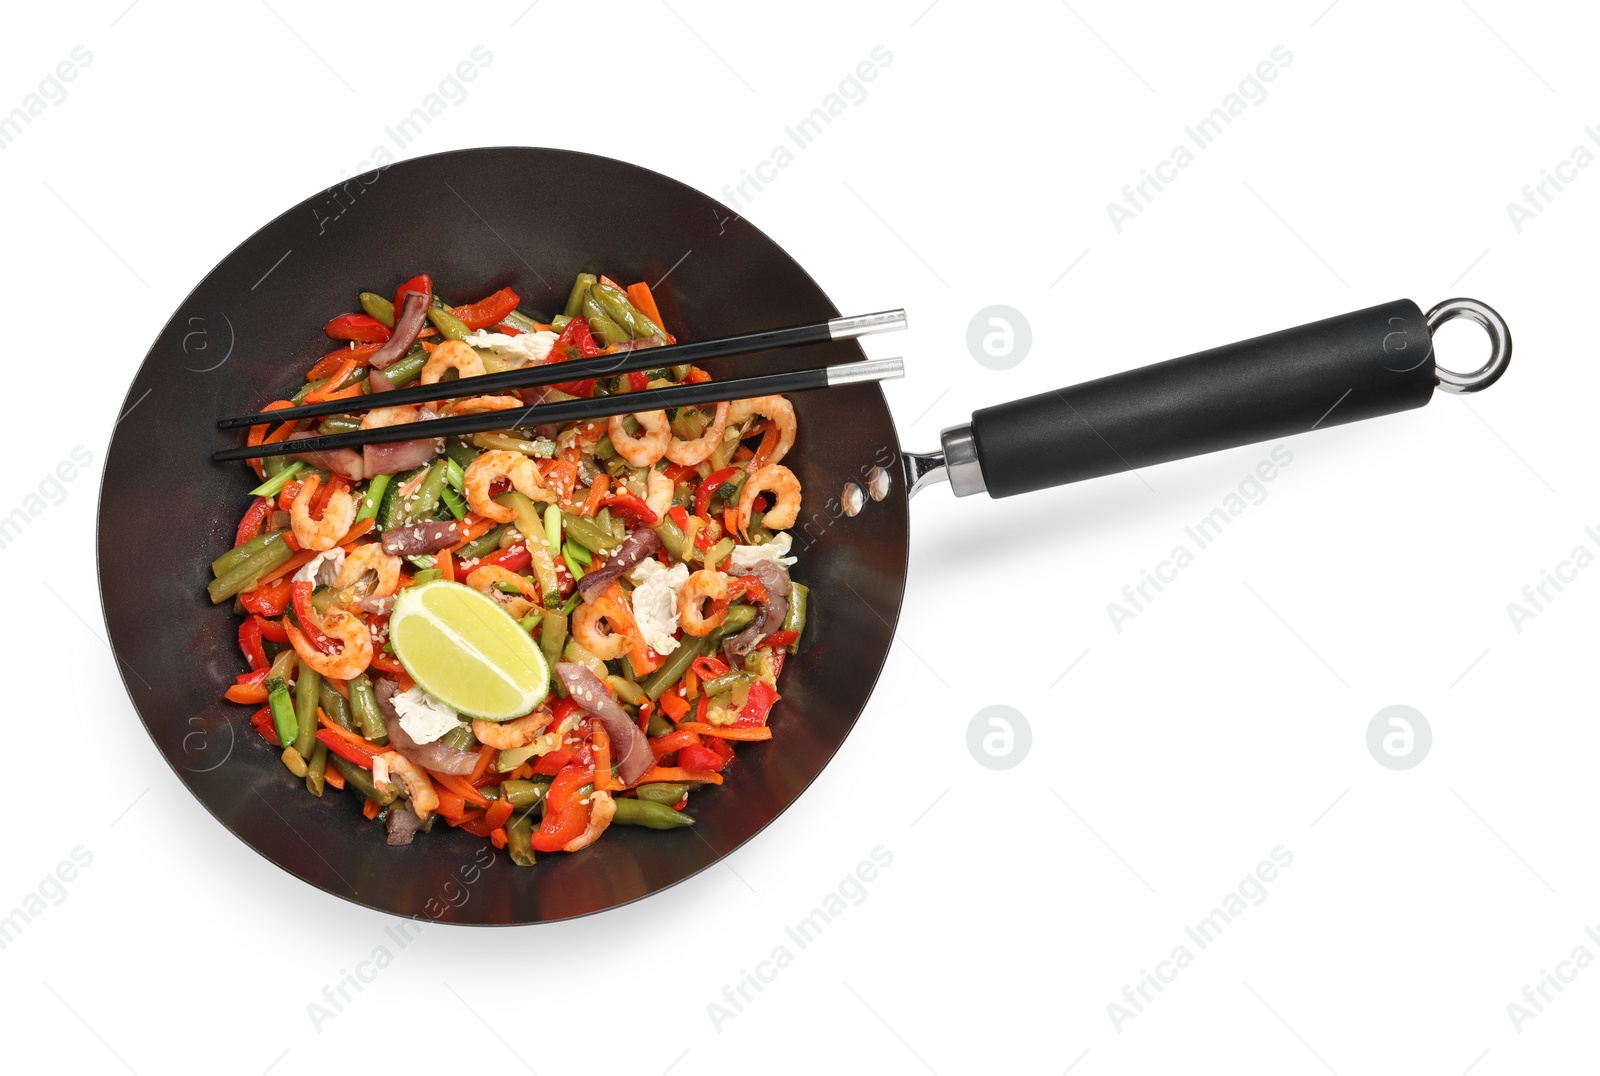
(851, 373)
(865, 324)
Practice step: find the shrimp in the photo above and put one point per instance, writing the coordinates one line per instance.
(703, 586)
(689, 453)
(338, 514)
(601, 810)
(451, 355)
(354, 655)
(388, 416)
(510, 735)
(776, 408)
(649, 446)
(607, 646)
(475, 405)
(490, 467)
(370, 557)
(658, 492)
(414, 779)
(783, 485)
(483, 580)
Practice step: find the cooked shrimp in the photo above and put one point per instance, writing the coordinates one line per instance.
(415, 780)
(692, 452)
(605, 645)
(601, 811)
(510, 735)
(370, 557)
(646, 447)
(484, 579)
(483, 472)
(704, 586)
(476, 405)
(388, 416)
(775, 408)
(338, 514)
(785, 488)
(451, 355)
(354, 655)
(658, 492)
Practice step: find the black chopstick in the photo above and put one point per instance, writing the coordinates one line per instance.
(622, 362)
(585, 408)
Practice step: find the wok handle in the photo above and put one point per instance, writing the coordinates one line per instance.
(1359, 365)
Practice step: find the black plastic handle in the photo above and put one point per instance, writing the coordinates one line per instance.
(1359, 365)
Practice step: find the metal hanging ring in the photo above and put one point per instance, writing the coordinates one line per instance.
(1499, 344)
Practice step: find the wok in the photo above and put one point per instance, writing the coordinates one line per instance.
(481, 219)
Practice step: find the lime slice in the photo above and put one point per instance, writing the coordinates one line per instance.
(467, 652)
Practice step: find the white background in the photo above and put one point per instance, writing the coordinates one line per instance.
(1229, 718)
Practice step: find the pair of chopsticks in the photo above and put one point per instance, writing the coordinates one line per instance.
(688, 395)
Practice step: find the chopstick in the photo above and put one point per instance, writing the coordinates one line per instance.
(622, 362)
(628, 403)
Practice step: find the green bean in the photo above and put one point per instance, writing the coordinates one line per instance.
(726, 682)
(525, 793)
(606, 329)
(614, 302)
(240, 553)
(604, 449)
(271, 465)
(361, 780)
(405, 370)
(627, 690)
(587, 533)
(460, 738)
(274, 485)
(552, 636)
(519, 839)
(283, 719)
(492, 362)
(486, 543)
(305, 390)
(637, 812)
(421, 504)
(339, 424)
(460, 452)
(273, 553)
(795, 619)
(378, 308)
(517, 319)
(580, 288)
(335, 707)
(668, 792)
(373, 497)
(364, 707)
(316, 768)
(738, 618)
(672, 537)
(305, 708)
(658, 726)
(560, 322)
(511, 443)
(675, 666)
(450, 327)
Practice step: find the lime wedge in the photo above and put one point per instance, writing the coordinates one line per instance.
(467, 652)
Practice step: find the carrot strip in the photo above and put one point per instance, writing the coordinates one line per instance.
(370, 809)
(446, 565)
(346, 367)
(334, 778)
(597, 492)
(728, 732)
(250, 693)
(475, 531)
(484, 755)
(602, 760)
(676, 773)
(343, 733)
(451, 806)
(644, 302)
(461, 788)
(293, 564)
(355, 532)
(258, 434)
(673, 705)
(341, 686)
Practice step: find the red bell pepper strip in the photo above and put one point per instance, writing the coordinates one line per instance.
(550, 765)
(330, 362)
(575, 337)
(722, 747)
(250, 644)
(362, 328)
(780, 639)
(262, 721)
(487, 312)
(702, 497)
(386, 662)
(756, 706)
(346, 750)
(422, 282)
(512, 558)
(300, 599)
(286, 496)
(565, 817)
(679, 516)
(272, 629)
(709, 668)
(638, 380)
(269, 599)
(254, 516)
(699, 757)
(747, 585)
(632, 507)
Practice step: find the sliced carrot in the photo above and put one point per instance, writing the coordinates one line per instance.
(334, 778)
(250, 693)
(602, 760)
(451, 806)
(258, 434)
(673, 706)
(293, 564)
(347, 366)
(460, 787)
(341, 686)
(370, 809)
(675, 773)
(498, 838)
(597, 493)
(498, 814)
(644, 302)
(474, 531)
(485, 754)
(357, 531)
(446, 565)
(343, 733)
(728, 732)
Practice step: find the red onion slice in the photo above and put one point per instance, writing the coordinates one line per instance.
(397, 456)
(629, 747)
(341, 461)
(415, 539)
(433, 756)
(639, 545)
(407, 324)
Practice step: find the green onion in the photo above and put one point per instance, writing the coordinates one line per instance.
(452, 500)
(454, 474)
(577, 553)
(552, 530)
(373, 497)
(572, 565)
(572, 603)
(426, 575)
(274, 485)
(283, 719)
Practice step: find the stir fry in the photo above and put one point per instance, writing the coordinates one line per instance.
(532, 634)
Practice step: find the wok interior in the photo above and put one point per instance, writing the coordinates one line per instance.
(476, 220)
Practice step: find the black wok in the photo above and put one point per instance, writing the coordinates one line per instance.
(481, 219)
